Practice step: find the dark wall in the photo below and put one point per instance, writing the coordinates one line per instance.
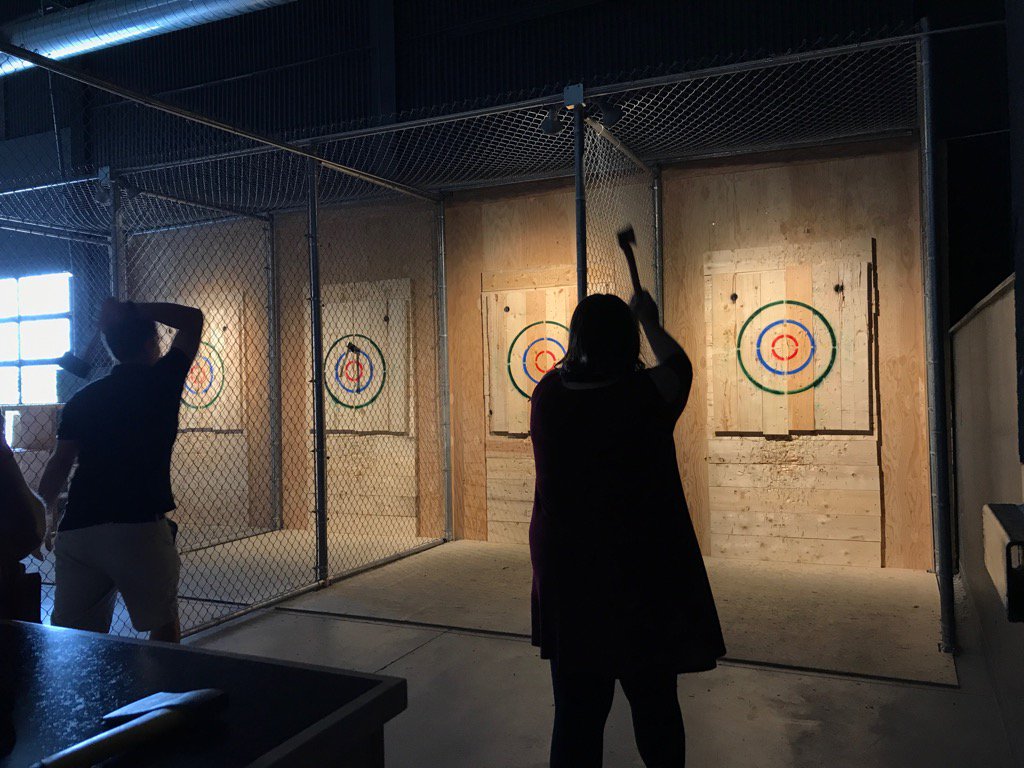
(315, 63)
(1015, 46)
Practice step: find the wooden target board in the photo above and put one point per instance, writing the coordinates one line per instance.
(526, 334)
(366, 359)
(211, 399)
(789, 348)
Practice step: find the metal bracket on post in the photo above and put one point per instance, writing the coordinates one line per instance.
(319, 424)
(573, 98)
(444, 378)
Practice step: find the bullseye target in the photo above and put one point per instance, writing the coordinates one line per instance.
(786, 347)
(534, 351)
(205, 379)
(355, 371)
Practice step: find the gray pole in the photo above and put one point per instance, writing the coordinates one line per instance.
(936, 340)
(274, 373)
(319, 425)
(579, 128)
(444, 379)
(116, 250)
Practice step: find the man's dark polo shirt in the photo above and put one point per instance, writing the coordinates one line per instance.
(125, 425)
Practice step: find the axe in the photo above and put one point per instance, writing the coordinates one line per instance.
(627, 239)
(137, 724)
(80, 366)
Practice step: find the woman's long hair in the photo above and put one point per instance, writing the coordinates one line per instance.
(604, 340)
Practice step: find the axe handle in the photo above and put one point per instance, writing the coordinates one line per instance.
(112, 742)
(634, 275)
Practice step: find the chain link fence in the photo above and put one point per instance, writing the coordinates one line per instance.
(620, 192)
(127, 199)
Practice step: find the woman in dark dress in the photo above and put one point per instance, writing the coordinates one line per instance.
(619, 586)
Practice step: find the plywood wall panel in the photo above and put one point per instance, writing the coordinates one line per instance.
(798, 205)
(371, 244)
(530, 232)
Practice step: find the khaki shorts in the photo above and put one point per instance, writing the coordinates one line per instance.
(93, 564)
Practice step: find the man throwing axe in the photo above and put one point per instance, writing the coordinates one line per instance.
(113, 536)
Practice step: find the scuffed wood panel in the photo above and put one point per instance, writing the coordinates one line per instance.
(803, 450)
(810, 500)
(799, 525)
(787, 550)
(839, 477)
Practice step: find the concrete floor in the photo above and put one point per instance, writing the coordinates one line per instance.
(817, 617)
(222, 578)
(482, 697)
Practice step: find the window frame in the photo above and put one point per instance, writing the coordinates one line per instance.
(21, 363)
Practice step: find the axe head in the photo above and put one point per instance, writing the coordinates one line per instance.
(627, 237)
(75, 365)
(199, 702)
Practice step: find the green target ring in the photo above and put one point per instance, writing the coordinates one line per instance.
(215, 363)
(517, 362)
(335, 375)
(818, 379)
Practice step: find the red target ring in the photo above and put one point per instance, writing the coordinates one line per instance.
(544, 353)
(795, 346)
(359, 371)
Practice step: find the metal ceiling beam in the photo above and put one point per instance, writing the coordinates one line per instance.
(103, 85)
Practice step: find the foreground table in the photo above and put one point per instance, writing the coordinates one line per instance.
(56, 685)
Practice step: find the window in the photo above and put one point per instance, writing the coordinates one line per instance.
(35, 330)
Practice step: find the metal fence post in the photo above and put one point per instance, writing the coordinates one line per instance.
(316, 332)
(274, 372)
(935, 340)
(659, 258)
(116, 248)
(579, 128)
(443, 373)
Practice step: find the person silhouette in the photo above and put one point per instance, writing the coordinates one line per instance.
(620, 591)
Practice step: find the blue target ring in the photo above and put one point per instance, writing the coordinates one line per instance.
(203, 360)
(341, 373)
(526, 352)
(801, 326)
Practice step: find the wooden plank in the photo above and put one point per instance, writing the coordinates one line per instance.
(557, 304)
(774, 408)
(513, 511)
(723, 352)
(346, 502)
(510, 488)
(497, 407)
(801, 404)
(760, 258)
(397, 350)
(523, 307)
(828, 395)
(813, 500)
(509, 467)
(798, 525)
(498, 446)
(504, 532)
(543, 277)
(851, 477)
(787, 550)
(856, 392)
(749, 415)
(803, 450)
